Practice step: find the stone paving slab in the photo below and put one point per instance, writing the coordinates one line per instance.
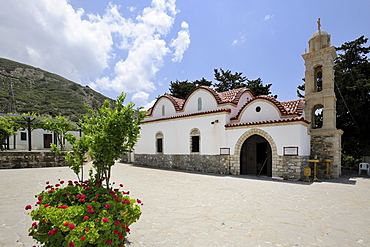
(192, 209)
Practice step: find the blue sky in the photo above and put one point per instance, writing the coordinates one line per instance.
(139, 46)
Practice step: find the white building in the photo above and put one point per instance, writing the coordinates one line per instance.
(40, 140)
(235, 132)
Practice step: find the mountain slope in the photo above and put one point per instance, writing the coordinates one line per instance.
(24, 89)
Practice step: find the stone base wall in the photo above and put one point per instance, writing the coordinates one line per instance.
(14, 160)
(291, 167)
(326, 144)
(202, 163)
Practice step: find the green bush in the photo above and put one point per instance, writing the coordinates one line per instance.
(82, 214)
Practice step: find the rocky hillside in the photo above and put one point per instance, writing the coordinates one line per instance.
(24, 89)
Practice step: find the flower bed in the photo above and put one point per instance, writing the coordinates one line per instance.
(82, 214)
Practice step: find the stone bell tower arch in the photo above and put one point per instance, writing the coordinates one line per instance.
(320, 107)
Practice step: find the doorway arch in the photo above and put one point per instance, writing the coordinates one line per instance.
(255, 157)
(237, 165)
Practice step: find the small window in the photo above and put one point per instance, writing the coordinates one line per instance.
(318, 117)
(159, 145)
(159, 142)
(23, 136)
(258, 109)
(195, 144)
(195, 141)
(318, 78)
(163, 110)
(199, 104)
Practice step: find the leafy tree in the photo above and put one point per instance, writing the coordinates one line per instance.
(60, 126)
(181, 89)
(202, 82)
(257, 87)
(228, 81)
(109, 133)
(352, 78)
(6, 130)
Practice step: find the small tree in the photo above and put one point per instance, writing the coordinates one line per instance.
(7, 129)
(110, 133)
(60, 126)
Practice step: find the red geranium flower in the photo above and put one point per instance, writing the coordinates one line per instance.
(82, 238)
(117, 223)
(72, 226)
(90, 211)
(105, 220)
(107, 206)
(28, 207)
(121, 185)
(87, 229)
(66, 223)
(89, 206)
(108, 241)
(86, 217)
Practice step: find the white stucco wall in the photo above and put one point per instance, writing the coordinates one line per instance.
(268, 111)
(168, 106)
(208, 102)
(292, 135)
(176, 135)
(37, 140)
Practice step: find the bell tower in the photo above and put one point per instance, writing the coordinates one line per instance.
(320, 107)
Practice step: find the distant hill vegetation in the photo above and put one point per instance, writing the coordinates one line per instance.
(24, 89)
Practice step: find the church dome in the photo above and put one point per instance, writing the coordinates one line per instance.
(319, 32)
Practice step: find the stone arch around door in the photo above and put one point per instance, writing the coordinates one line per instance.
(241, 141)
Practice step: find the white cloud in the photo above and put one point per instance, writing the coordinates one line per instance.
(140, 98)
(144, 40)
(239, 40)
(181, 43)
(52, 35)
(149, 104)
(268, 17)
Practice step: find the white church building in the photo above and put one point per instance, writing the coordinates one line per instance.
(236, 132)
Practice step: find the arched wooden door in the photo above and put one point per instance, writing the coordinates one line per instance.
(255, 157)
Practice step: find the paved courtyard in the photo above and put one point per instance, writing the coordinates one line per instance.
(192, 209)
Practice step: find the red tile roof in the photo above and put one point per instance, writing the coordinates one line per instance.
(294, 107)
(187, 115)
(284, 120)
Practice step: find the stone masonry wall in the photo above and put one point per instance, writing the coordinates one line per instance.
(13, 160)
(326, 144)
(291, 167)
(218, 164)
